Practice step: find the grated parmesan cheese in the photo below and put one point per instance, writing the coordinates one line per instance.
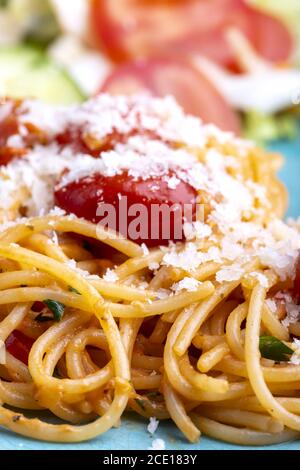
(153, 425)
(145, 249)
(110, 276)
(153, 266)
(188, 283)
(230, 273)
(157, 444)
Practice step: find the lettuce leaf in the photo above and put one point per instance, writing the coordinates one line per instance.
(263, 128)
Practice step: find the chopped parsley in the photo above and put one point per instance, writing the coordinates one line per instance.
(57, 308)
(274, 349)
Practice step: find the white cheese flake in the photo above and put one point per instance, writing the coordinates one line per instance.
(230, 273)
(188, 283)
(157, 444)
(153, 266)
(110, 276)
(153, 425)
(145, 249)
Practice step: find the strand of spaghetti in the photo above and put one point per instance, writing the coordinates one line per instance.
(170, 317)
(252, 404)
(43, 344)
(176, 379)
(206, 342)
(241, 418)
(201, 381)
(71, 224)
(89, 367)
(54, 401)
(241, 436)
(35, 278)
(178, 414)
(147, 362)
(148, 408)
(31, 294)
(13, 320)
(129, 329)
(8, 265)
(209, 359)
(73, 250)
(43, 244)
(201, 313)
(179, 382)
(233, 330)
(76, 347)
(206, 271)
(160, 332)
(16, 369)
(117, 290)
(134, 265)
(255, 372)
(273, 374)
(67, 275)
(181, 300)
(146, 382)
(27, 278)
(19, 395)
(219, 318)
(73, 434)
(273, 325)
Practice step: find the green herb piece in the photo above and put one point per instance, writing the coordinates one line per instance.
(72, 289)
(274, 349)
(57, 308)
(43, 318)
(140, 402)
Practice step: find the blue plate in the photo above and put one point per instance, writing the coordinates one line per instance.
(133, 434)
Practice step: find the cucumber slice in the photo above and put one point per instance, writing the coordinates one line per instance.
(25, 72)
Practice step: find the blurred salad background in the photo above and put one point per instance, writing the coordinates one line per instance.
(235, 63)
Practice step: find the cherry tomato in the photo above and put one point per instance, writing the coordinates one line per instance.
(10, 127)
(178, 77)
(83, 197)
(19, 346)
(135, 28)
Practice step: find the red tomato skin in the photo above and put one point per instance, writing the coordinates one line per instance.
(19, 346)
(178, 77)
(124, 38)
(8, 127)
(83, 197)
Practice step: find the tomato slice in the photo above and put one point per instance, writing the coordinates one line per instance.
(177, 77)
(135, 28)
(82, 198)
(19, 345)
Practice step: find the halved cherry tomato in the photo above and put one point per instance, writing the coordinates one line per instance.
(19, 345)
(177, 77)
(83, 197)
(137, 28)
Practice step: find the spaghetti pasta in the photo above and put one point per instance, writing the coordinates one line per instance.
(93, 323)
